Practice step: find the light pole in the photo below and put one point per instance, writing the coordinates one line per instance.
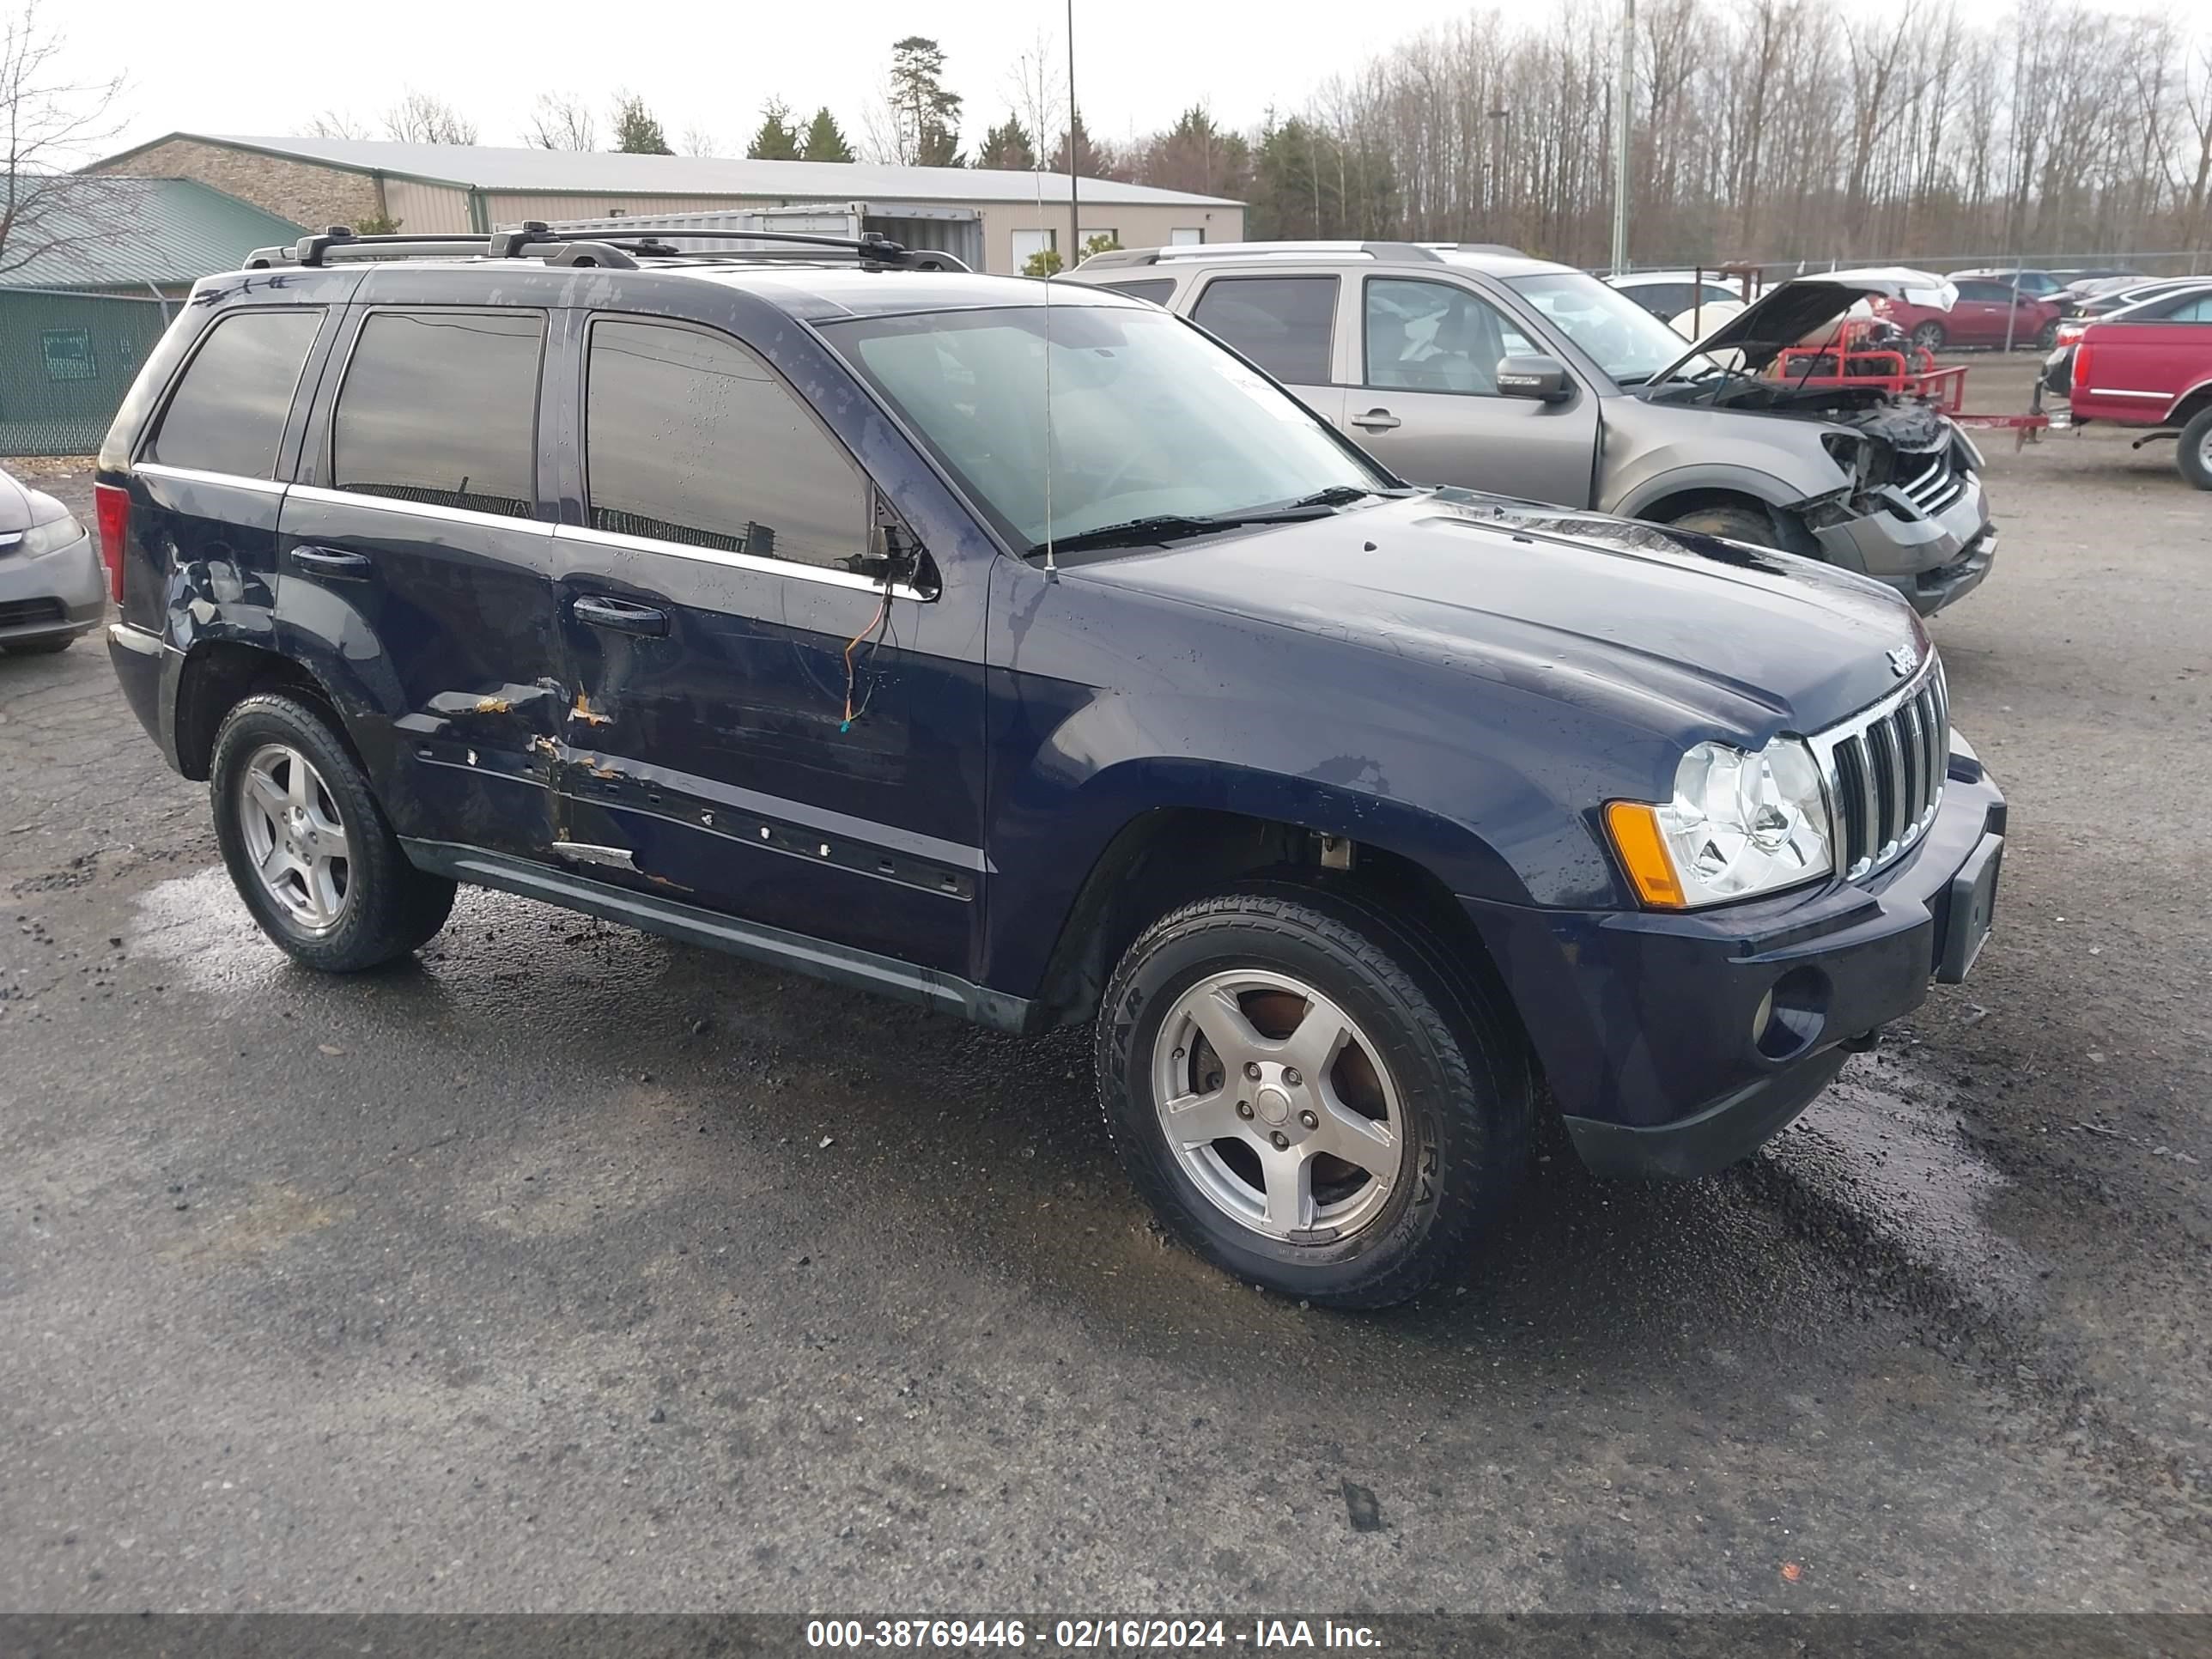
(1074, 213)
(1624, 84)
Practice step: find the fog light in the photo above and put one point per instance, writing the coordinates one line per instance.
(1792, 1014)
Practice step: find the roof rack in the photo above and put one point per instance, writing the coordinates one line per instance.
(535, 240)
(1405, 252)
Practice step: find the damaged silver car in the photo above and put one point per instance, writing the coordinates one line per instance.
(1477, 365)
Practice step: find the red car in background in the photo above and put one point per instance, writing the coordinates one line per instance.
(2148, 366)
(1987, 314)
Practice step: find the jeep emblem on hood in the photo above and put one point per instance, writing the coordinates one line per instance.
(1901, 660)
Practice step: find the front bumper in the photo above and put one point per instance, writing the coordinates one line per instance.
(1932, 559)
(1647, 1021)
(63, 592)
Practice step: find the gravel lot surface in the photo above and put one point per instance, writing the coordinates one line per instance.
(571, 1268)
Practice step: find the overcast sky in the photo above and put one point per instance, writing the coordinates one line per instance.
(1139, 61)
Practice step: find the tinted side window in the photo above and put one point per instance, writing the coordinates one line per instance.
(1155, 289)
(1429, 337)
(1988, 291)
(688, 437)
(1661, 300)
(1284, 323)
(441, 407)
(2189, 309)
(229, 412)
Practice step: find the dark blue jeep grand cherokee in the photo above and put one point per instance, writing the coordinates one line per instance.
(1027, 654)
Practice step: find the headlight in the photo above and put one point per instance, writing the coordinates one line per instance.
(1738, 825)
(50, 536)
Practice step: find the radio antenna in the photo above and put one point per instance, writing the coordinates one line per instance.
(1051, 569)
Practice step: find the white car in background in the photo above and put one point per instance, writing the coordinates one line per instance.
(1691, 303)
(52, 587)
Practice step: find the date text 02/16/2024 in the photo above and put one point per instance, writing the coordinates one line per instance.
(1088, 1635)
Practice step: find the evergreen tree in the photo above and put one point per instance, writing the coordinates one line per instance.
(1007, 147)
(825, 139)
(777, 140)
(925, 113)
(636, 131)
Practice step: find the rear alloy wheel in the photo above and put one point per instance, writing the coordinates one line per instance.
(1928, 335)
(1311, 1094)
(308, 848)
(2195, 451)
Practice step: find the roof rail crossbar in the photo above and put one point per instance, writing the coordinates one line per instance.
(535, 240)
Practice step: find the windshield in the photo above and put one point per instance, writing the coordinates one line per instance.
(1623, 338)
(1148, 417)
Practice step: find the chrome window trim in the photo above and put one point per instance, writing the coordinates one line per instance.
(195, 475)
(751, 562)
(1862, 727)
(417, 510)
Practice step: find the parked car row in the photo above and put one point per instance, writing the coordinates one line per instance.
(2147, 364)
(1021, 651)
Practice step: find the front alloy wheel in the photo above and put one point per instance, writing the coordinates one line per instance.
(1275, 1105)
(1314, 1090)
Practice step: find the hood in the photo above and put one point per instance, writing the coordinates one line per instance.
(1805, 305)
(22, 507)
(1671, 627)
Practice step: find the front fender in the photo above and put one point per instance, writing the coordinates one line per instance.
(1759, 486)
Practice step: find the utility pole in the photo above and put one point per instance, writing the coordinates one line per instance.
(1622, 101)
(1074, 212)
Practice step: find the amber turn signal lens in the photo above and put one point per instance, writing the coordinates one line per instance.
(1634, 827)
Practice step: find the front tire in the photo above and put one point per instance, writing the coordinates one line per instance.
(2193, 454)
(2047, 336)
(1311, 1094)
(308, 849)
(1736, 524)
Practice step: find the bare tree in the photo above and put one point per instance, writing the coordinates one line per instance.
(338, 123)
(1036, 90)
(562, 120)
(49, 124)
(419, 118)
(697, 141)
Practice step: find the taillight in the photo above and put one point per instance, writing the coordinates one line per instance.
(2068, 334)
(2081, 366)
(111, 507)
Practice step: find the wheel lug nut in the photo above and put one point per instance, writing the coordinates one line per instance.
(1309, 1119)
(1282, 1141)
(1243, 1108)
(1291, 1076)
(1252, 1070)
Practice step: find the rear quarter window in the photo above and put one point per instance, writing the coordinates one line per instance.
(1284, 323)
(228, 411)
(1154, 289)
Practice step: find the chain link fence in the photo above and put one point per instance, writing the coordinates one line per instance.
(65, 361)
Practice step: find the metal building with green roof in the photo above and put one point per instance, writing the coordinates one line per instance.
(89, 271)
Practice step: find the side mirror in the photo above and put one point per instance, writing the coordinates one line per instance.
(1534, 376)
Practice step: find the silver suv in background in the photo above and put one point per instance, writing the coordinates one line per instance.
(1477, 365)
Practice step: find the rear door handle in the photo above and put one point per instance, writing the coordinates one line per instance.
(620, 615)
(1376, 420)
(334, 562)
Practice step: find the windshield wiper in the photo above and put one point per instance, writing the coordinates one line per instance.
(1335, 496)
(1175, 526)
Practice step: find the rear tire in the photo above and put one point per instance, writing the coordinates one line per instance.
(1736, 524)
(1421, 1083)
(1930, 335)
(308, 849)
(2193, 454)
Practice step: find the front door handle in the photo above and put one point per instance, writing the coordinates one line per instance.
(1375, 420)
(334, 562)
(622, 616)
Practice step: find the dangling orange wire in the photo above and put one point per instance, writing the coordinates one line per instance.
(852, 645)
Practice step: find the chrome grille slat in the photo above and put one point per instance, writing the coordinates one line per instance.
(1885, 770)
(1936, 486)
(1889, 770)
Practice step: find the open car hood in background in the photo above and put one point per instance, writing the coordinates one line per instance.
(1805, 305)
